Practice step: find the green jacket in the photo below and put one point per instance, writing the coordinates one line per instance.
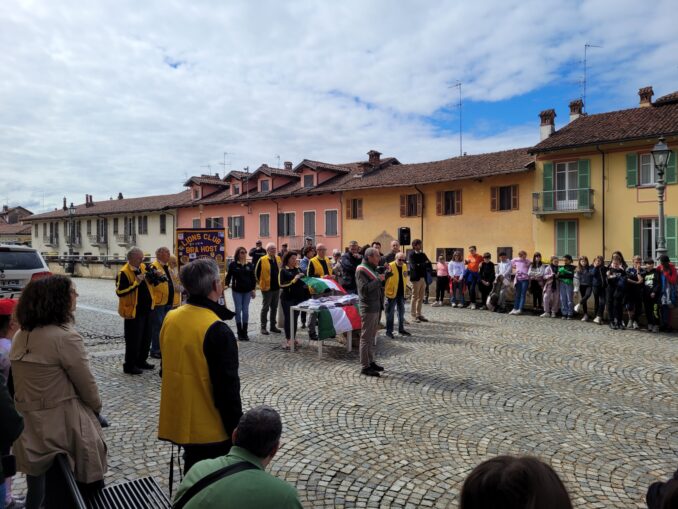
(253, 488)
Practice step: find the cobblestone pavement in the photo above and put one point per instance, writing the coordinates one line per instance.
(597, 404)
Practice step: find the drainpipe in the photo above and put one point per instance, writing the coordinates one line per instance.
(602, 194)
(422, 214)
(277, 232)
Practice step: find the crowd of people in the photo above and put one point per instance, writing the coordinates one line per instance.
(51, 404)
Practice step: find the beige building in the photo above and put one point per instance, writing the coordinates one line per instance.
(97, 235)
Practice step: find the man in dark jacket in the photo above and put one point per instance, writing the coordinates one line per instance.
(11, 426)
(371, 295)
(257, 252)
(200, 366)
(419, 267)
(349, 263)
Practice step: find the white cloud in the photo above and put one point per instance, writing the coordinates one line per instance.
(127, 96)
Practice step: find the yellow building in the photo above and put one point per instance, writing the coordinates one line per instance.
(595, 181)
(479, 199)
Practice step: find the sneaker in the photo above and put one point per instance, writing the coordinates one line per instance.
(563, 317)
(422, 319)
(369, 372)
(577, 308)
(404, 333)
(264, 332)
(376, 367)
(390, 335)
(597, 320)
(425, 301)
(568, 317)
(655, 329)
(512, 312)
(544, 315)
(436, 304)
(613, 325)
(417, 320)
(635, 325)
(472, 306)
(585, 318)
(554, 315)
(518, 312)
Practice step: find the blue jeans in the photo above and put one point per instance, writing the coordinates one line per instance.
(521, 292)
(157, 316)
(566, 299)
(3, 493)
(242, 306)
(391, 305)
(472, 279)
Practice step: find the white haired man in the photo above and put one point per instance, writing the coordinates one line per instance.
(266, 272)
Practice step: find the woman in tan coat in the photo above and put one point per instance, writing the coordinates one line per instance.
(55, 392)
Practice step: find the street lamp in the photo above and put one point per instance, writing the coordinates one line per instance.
(660, 156)
(70, 268)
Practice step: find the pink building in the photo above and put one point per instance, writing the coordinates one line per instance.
(275, 205)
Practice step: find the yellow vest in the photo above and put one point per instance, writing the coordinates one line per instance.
(265, 276)
(187, 411)
(127, 300)
(391, 289)
(318, 268)
(159, 293)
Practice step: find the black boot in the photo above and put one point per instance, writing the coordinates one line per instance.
(243, 329)
(239, 327)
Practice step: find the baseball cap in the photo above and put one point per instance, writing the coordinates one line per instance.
(7, 306)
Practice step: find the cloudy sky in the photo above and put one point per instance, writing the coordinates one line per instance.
(133, 97)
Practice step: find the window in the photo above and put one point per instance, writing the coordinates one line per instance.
(286, 224)
(309, 223)
(264, 225)
(567, 175)
(566, 238)
(649, 233)
(331, 227)
(648, 173)
(130, 225)
(354, 208)
(447, 252)
(308, 180)
(196, 223)
(196, 193)
(163, 224)
(142, 224)
(236, 189)
(506, 249)
(36, 231)
(264, 186)
(44, 229)
(214, 222)
(411, 205)
(102, 229)
(236, 227)
(448, 203)
(89, 227)
(504, 198)
(115, 226)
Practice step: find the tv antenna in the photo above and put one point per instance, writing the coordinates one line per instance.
(458, 86)
(277, 156)
(586, 50)
(209, 168)
(226, 164)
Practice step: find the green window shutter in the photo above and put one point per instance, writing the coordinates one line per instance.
(672, 237)
(584, 183)
(631, 170)
(548, 201)
(572, 238)
(561, 237)
(671, 169)
(636, 236)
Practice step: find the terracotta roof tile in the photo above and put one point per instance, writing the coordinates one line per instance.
(214, 180)
(624, 125)
(126, 205)
(15, 229)
(667, 99)
(268, 171)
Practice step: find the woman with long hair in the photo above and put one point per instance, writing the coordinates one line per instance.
(536, 274)
(56, 393)
(242, 281)
(294, 291)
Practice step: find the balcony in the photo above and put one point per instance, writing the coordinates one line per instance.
(76, 241)
(572, 201)
(50, 240)
(297, 242)
(127, 239)
(98, 240)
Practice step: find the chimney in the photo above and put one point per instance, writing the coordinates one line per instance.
(65, 206)
(548, 124)
(645, 95)
(288, 165)
(374, 157)
(5, 208)
(119, 196)
(576, 109)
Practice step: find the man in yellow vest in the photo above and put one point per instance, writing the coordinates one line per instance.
(395, 295)
(266, 272)
(165, 297)
(318, 266)
(200, 396)
(134, 305)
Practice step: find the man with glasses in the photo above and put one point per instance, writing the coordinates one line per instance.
(319, 266)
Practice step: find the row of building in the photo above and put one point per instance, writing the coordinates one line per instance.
(587, 188)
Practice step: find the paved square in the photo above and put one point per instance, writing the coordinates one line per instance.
(599, 405)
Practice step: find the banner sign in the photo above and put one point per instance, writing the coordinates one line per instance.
(194, 243)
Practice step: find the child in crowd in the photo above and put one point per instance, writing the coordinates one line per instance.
(634, 292)
(599, 285)
(504, 270)
(651, 294)
(455, 270)
(551, 289)
(584, 276)
(616, 282)
(442, 281)
(486, 278)
(669, 278)
(521, 282)
(471, 275)
(566, 278)
(536, 275)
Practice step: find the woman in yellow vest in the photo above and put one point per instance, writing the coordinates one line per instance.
(395, 295)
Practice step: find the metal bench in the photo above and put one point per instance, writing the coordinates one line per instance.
(136, 494)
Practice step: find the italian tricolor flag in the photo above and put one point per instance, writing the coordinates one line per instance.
(337, 320)
(318, 286)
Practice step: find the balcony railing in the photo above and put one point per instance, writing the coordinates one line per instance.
(127, 239)
(297, 242)
(50, 240)
(572, 201)
(76, 241)
(98, 240)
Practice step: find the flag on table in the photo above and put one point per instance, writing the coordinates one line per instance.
(337, 320)
(318, 286)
